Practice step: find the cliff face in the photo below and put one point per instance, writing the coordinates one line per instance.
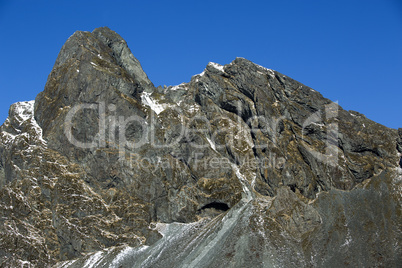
(241, 165)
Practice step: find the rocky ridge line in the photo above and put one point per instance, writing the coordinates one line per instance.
(332, 181)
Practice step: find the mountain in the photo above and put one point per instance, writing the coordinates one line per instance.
(241, 166)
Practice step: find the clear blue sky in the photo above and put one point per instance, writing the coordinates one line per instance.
(350, 51)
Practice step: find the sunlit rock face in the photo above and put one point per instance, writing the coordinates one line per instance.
(241, 166)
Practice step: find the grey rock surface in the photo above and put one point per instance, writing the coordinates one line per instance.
(241, 166)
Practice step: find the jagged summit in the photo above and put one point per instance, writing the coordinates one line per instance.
(103, 47)
(241, 166)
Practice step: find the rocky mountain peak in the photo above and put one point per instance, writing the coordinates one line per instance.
(240, 166)
(105, 51)
(90, 67)
(123, 55)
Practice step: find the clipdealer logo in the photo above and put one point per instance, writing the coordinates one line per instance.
(110, 124)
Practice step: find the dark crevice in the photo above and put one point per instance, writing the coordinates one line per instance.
(229, 107)
(255, 152)
(247, 93)
(279, 79)
(181, 159)
(234, 158)
(280, 127)
(244, 113)
(197, 99)
(292, 187)
(362, 149)
(216, 205)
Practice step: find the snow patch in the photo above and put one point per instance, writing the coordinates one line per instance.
(261, 225)
(270, 71)
(318, 124)
(24, 110)
(181, 86)
(23, 263)
(198, 76)
(125, 253)
(212, 144)
(151, 103)
(67, 263)
(193, 108)
(348, 239)
(23, 113)
(93, 260)
(217, 66)
(243, 181)
(353, 114)
(161, 228)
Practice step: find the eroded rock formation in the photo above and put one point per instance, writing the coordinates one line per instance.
(240, 166)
